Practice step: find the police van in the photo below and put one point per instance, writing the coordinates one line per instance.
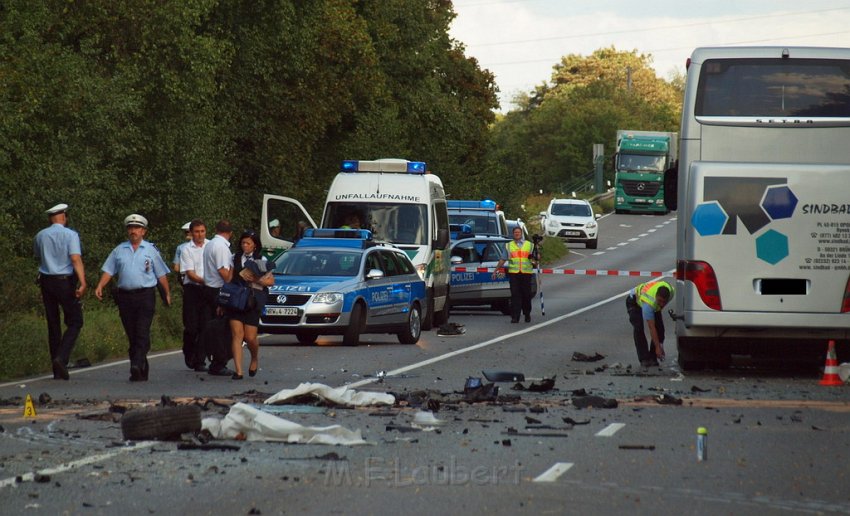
(484, 216)
(399, 202)
(763, 237)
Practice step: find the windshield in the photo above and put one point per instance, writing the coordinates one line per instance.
(480, 222)
(313, 262)
(396, 223)
(571, 210)
(641, 163)
(774, 87)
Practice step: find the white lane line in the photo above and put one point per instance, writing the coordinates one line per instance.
(633, 239)
(622, 244)
(29, 477)
(660, 225)
(76, 371)
(643, 235)
(610, 430)
(501, 338)
(597, 253)
(611, 249)
(651, 230)
(552, 474)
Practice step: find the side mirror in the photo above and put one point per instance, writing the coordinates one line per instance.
(542, 214)
(374, 274)
(671, 187)
(456, 260)
(597, 216)
(442, 239)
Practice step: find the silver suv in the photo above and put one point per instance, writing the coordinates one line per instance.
(572, 220)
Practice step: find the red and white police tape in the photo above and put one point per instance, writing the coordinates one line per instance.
(574, 272)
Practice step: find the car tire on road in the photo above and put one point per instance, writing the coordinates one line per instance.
(428, 318)
(162, 423)
(591, 244)
(413, 330)
(351, 337)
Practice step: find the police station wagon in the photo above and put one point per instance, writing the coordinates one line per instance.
(341, 282)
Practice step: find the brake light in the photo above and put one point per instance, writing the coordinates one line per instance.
(845, 304)
(702, 276)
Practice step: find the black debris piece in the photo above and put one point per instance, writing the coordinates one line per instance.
(514, 409)
(796, 418)
(515, 432)
(544, 385)
(484, 392)
(666, 399)
(581, 357)
(44, 398)
(594, 402)
(330, 456)
(579, 392)
(694, 388)
(506, 442)
(637, 447)
(166, 401)
(450, 330)
(82, 362)
(421, 398)
(537, 409)
(532, 421)
(574, 422)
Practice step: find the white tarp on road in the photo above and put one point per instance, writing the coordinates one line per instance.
(341, 395)
(248, 423)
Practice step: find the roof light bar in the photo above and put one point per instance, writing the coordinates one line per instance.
(384, 165)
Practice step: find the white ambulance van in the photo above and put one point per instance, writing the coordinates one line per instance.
(400, 202)
(763, 203)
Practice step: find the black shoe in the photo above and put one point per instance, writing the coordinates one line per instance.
(649, 363)
(200, 368)
(252, 372)
(60, 372)
(235, 376)
(221, 372)
(146, 368)
(136, 374)
(514, 321)
(528, 318)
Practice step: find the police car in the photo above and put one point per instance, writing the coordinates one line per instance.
(341, 282)
(473, 284)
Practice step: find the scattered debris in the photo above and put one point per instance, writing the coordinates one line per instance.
(637, 446)
(290, 409)
(666, 399)
(484, 392)
(424, 418)
(574, 422)
(514, 432)
(594, 402)
(208, 447)
(44, 398)
(402, 428)
(532, 421)
(450, 330)
(545, 385)
(581, 357)
(694, 388)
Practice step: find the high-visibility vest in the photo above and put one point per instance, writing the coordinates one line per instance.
(519, 258)
(645, 293)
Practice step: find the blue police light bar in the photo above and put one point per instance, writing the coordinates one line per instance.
(359, 234)
(384, 165)
(486, 204)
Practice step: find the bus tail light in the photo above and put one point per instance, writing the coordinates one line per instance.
(845, 304)
(702, 276)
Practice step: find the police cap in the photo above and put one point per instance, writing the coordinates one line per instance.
(59, 208)
(136, 220)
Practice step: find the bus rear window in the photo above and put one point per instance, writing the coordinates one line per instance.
(774, 87)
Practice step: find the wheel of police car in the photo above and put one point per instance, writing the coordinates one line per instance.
(351, 337)
(161, 422)
(306, 338)
(413, 330)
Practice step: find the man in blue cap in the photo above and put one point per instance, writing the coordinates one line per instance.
(139, 268)
(63, 282)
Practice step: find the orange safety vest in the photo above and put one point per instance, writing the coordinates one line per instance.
(519, 258)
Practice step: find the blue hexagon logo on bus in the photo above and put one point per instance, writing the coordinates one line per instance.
(779, 202)
(772, 247)
(709, 218)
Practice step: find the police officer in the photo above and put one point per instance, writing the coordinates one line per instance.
(139, 268)
(63, 282)
(644, 303)
(521, 265)
(175, 263)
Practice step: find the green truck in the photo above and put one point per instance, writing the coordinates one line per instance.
(639, 165)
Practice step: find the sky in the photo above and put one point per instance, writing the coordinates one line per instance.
(521, 40)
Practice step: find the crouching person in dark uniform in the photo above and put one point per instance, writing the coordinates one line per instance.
(139, 268)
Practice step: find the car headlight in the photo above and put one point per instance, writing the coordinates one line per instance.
(327, 297)
(591, 225)
(554, 223)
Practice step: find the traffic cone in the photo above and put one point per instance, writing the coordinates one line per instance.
(830, 370)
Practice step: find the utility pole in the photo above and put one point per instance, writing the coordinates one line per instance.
(598, 160)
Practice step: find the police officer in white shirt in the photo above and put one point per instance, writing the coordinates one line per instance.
(196, 311)
(218, 270)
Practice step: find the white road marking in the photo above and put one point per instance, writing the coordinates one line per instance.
(29, 477)
(610, 430)
(643, 235)
(622, 244)
(552, 474)
(633, 239)
(653, 230)
(597, 253)
(660, 225)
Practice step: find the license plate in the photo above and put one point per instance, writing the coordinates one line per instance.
(572, 233)
(281, 310)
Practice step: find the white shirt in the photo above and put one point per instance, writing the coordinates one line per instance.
(192, 259)
(216, 256)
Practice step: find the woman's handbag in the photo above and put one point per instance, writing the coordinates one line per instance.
(236, 297)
